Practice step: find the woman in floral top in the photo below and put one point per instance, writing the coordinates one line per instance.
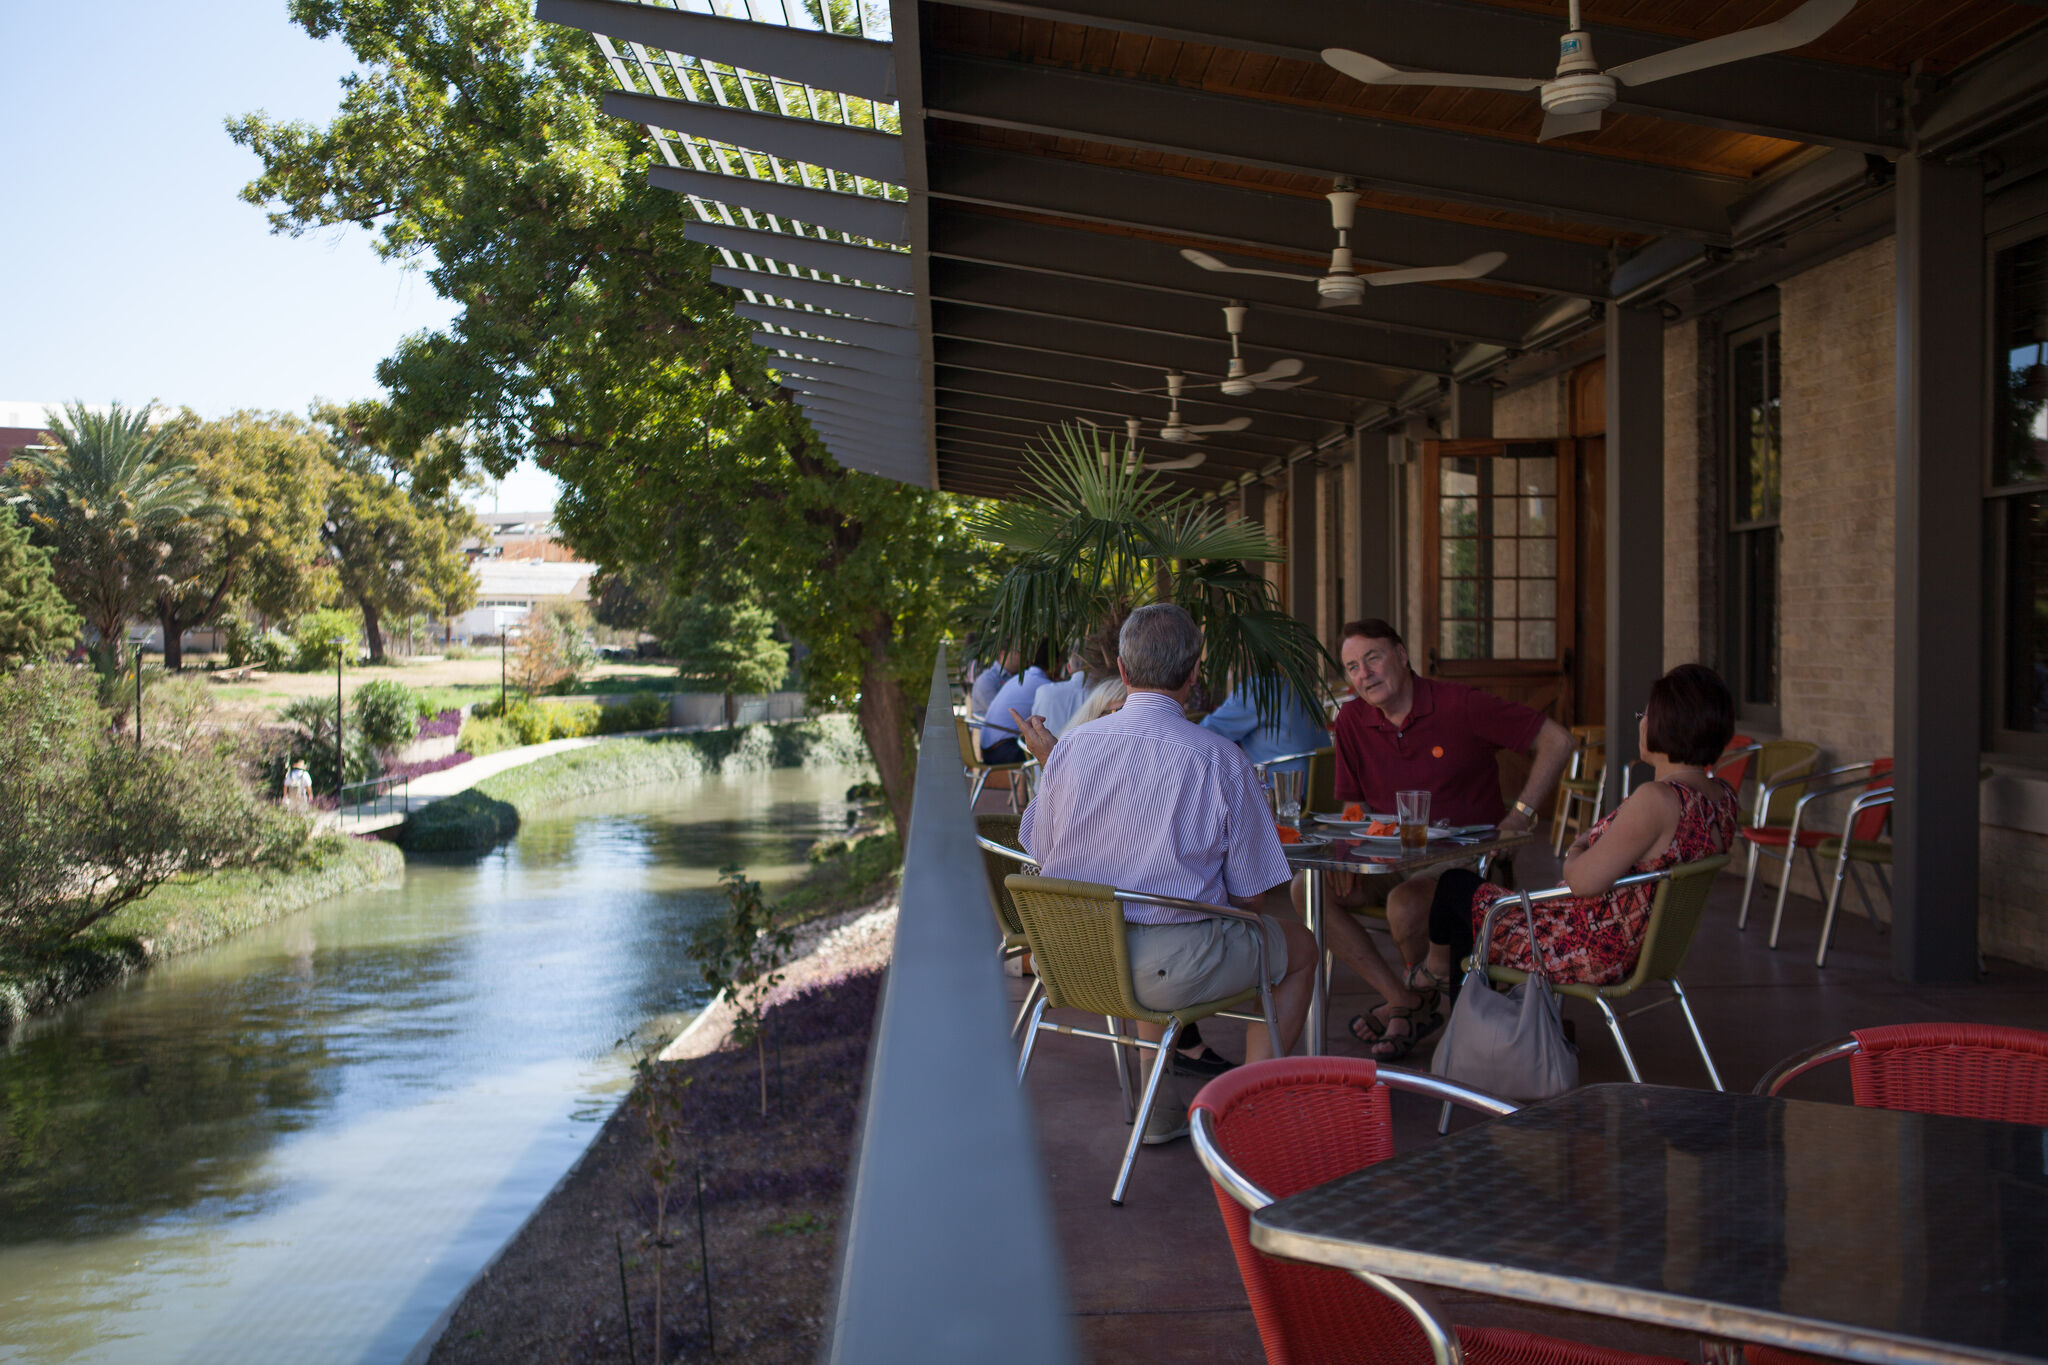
(1594, 935)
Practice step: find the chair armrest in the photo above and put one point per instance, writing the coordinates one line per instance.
(1781, 1075)
(1764, 794)
(1507, 898)
(1198, 907)
(1815, 793)
(1014, 854)
(1228, 1178)
(1261, 766)
(1437, 1088)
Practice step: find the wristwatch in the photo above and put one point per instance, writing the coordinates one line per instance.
(1527, 810)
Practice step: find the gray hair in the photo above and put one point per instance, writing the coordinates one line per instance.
(1160, 646)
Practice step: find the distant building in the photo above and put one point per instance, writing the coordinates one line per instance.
(20, 425)
(520, 535)
(507, 592)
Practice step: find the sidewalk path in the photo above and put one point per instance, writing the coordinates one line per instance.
(431, 787)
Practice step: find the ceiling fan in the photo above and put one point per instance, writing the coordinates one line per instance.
(1574, 97)
(1344, 286)
(1133, 460)
(1176, 429)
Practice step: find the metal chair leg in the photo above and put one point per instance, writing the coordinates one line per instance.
(1748, 885)
(1023, 1009)
(1614, 1027)
(1031, 1037)
(1114, 1025)
(1784, 888)
(1159, 1068)
(1869, 904)
(974, 797)
(1699, 1039)
(1827, 919)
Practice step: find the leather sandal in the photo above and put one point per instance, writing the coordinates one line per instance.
(1395, 1047)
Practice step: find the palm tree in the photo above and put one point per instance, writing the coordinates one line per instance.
(106, 499)
(1099, 533)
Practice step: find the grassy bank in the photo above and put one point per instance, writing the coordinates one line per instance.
(194, 912)
(491, 810)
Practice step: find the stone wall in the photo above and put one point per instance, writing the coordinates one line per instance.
(1685, 456)
(1535, 412)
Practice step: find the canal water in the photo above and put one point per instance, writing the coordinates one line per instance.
(301, 1145)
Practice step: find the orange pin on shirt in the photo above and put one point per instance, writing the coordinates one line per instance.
(1437, 751)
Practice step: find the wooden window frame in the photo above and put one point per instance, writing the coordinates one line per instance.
(1565, 535)
(1735, 599)
(1999, 739)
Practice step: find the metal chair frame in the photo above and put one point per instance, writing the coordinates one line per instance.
(1768, 785)
(1807, 798)
(1014, 943)
(1129, 1008)
(1845, 861)
(1414, 1299)
(1591, 739)
(977, 772)
(1648, 966)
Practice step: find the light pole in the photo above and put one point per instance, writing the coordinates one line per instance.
(340, 772)
(138, 694)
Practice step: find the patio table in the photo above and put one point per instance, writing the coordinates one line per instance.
(1866, 1234)
(1371, 858)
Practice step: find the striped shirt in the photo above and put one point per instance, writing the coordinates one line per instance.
(1148, 801)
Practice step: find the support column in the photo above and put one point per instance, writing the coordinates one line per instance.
(1301, 542)
(1937, 634)
(1635, 526)
(1379, 534)
(1468, 412)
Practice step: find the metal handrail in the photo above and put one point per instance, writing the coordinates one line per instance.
(393, 805)
(947, 1146)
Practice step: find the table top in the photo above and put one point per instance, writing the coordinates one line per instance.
(1383, 858)
(1866, 1234)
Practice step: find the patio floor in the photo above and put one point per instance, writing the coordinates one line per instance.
(1155, 1280)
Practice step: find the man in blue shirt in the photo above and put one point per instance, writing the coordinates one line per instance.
(1300, 728)
(990, 681)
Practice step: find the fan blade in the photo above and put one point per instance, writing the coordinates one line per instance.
(1796, 29)
(1372, 71)
(1189, 463)
(1128, 388)
(1234, 424)
(1485, 263)
(1208, 262)
(1564, 125)
(1287, 383)
(1279, 369)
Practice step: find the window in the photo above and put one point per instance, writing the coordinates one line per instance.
(1755, 458)
(1497, 565)
(2017, 507)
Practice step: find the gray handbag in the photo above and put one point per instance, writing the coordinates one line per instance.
(1510, 1043)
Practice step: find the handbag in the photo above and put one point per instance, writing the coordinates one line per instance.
(1511, 1043)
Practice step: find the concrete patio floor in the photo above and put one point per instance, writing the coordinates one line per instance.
(1155, 1281)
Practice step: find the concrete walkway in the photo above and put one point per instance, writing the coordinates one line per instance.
(432, 787)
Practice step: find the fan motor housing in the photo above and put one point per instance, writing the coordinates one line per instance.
(1238, 387)
(1347, 288)
(1582, 93)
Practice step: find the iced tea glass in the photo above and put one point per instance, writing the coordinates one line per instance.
(1412, 810)
(1287, 794)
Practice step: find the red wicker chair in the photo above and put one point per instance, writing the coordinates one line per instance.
(1972, 1071)
(1271, 1129)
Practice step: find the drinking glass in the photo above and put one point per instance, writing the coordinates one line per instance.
(1412, 810)
(1287, 794)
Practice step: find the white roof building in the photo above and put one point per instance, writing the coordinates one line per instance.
(507, 590)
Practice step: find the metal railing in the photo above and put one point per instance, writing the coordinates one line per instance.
(381, 796)
(949, 1251)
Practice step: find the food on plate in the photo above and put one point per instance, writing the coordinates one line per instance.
(1354, 811)
(1384, 829)
(1288, 835)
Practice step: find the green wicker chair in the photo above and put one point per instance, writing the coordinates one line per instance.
(1076, 934)
(1002, 854)
(1667, 937)
(977, 771)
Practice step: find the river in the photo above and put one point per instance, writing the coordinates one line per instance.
(299, 1146)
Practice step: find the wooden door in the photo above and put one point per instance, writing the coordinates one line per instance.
(1499, 564)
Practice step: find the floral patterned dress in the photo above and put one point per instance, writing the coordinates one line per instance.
(1595, 939)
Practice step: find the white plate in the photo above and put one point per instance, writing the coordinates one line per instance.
(1306, 841)
(1435, 832)
(1340, 822)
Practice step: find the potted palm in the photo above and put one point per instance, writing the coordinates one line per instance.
(1097, 532)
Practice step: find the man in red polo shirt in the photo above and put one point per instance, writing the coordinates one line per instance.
(1404, 733)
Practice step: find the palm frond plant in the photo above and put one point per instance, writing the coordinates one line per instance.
(1097, 533)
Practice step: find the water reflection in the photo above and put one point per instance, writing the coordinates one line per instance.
(302, 1144)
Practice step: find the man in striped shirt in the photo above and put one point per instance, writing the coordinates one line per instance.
(1146, 799)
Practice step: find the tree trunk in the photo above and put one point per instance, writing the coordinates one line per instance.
(885, 724)
(174, 641)
(728, 710)
(373, 633)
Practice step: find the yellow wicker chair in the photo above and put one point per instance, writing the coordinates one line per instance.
(1579, 791)
(1667, 938)
(977, 771)
(1076, 934)
(1002, 854)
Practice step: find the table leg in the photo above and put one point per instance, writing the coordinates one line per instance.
(1312, 904)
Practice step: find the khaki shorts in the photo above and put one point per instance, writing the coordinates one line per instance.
(1176, 965)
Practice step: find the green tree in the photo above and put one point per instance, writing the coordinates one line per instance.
(108, 500)
(723, 636)
(394, 537)
(35, 620)
(269, 474)
(591, 338)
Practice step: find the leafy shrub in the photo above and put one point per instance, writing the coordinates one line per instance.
(482, 737)
(573, 720)
(314, 634)
(440, 724)
(530, 722)
(386, 712)
(464, 822)
(313, 740)
(647, 711)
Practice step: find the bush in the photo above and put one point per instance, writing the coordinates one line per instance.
(440, 724)
(314, 634)
(573, 720)
(313, 740)
(647, 711)
(386, 712)
(464, 822)
(480, 737)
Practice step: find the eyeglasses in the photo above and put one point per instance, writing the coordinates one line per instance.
(1641, 714)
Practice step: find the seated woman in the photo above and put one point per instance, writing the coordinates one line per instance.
(1594, 935)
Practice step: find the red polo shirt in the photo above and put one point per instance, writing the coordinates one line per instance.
(1446, 749)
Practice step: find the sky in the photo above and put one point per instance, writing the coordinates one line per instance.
(129, 268)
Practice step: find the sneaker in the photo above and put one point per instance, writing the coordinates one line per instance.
(1168, 1122)
(1207, 1062)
